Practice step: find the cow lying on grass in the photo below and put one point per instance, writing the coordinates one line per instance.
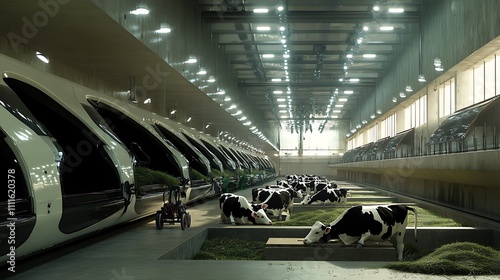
(361, 223)
(326, 195)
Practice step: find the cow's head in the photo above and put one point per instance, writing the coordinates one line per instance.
(258, 206)
(294, 192)
(306, 199)
(318, 233)
(260, 216)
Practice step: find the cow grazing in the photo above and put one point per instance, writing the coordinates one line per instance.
(326, 195)
(361, 223)
(278, 200)
(241, 210)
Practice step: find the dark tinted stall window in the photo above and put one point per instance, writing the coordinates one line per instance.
(90, 183)
(131, 131)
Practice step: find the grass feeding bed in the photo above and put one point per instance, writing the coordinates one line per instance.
(461, 258)
(426, 218)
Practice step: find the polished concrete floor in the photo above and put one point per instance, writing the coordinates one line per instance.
(134, 254)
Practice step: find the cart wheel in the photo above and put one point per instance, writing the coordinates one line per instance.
(188, 220)
(184, 221)
(159, 220)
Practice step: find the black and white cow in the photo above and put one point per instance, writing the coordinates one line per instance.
(361, 223)
(326, 195)
(278, 200)
(241, 210)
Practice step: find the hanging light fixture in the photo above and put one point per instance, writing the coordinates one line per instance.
(42, 57)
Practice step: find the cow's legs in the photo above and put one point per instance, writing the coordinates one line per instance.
(400, 246)
(225, 219)
(361, 241)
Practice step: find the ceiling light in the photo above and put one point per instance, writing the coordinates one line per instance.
(231, 107)
(358, 126)
(147, 101)
(276, 80)
(282, 105)
(365, 28)
(277, 92)
(396, 10)
(408, 88)
(206, 126)
(282, 28)
(263, 28)
(247, 123)
(379, 111)
(188, 119)
(202, 71)
(283, 41)
(237, 113)
(227, 98)
(286, 55)
(221, 92)
(140, 10)
(369, 55)
(364, 122)
(42, 57)
(211, 79)
(421, 78)
(402, 95)
(386, 28)
(280, 8)
(343, 99)
(372, 116)
(349, 55)
(394, 99)
(348, 92)
(336, 111)
(268, 55)
(281, 99)
(164, 28)
(173, 112)
(260, 10)
(191, 60)
(354, 80)
(341, 79)
(376, 8)
(437, 62)
(439, 68)
(339, 105)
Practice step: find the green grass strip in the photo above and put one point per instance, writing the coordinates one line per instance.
(461, 258)
(231, 249)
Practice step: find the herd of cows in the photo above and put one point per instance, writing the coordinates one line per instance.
(356, 224)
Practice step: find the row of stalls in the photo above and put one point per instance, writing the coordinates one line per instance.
(78, 160)
(470, 129)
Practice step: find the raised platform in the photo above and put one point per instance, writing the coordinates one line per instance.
(294, 249)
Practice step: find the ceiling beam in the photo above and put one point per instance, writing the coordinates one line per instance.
(307, 62)
(306, 17)
(297, 52)
(295, 43)
(308, 31)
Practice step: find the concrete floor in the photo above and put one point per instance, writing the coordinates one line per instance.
(135, 254)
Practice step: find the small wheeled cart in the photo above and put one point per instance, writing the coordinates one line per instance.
(174, 209)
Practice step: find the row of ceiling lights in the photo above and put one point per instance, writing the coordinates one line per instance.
(287, 55)
(232, 109)
(359, 35)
